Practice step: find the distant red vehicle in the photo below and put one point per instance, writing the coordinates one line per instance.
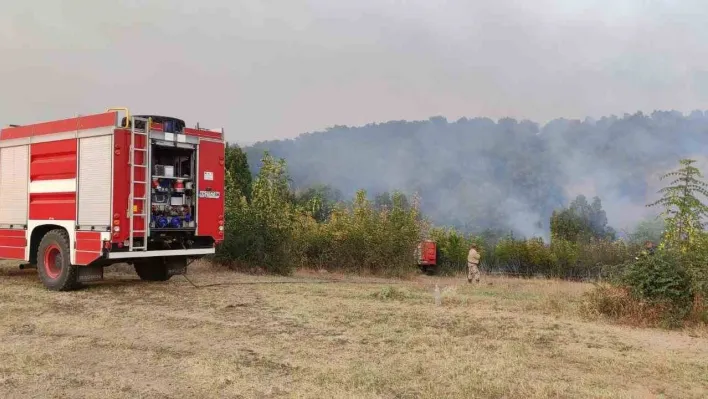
(427, 256)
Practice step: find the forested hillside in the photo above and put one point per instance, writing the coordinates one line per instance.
(477, 174)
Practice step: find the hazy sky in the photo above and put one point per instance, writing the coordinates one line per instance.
(274, 69)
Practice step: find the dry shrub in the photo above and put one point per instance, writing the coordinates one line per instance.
(618, 304)
(699, 311)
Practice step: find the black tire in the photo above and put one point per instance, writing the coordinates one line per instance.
(54, 262)
(152, 269)
(428, 270)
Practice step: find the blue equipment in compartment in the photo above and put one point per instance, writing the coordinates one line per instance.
(175, 222)
(161, 222)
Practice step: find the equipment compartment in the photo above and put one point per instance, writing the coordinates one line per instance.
(173, 202)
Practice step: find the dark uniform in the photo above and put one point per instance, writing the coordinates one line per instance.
(649, 249)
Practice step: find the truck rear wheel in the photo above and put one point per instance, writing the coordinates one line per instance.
(429, 270)
(54, 262)
(160, 269)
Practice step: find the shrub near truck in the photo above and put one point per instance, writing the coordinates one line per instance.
(83, 193)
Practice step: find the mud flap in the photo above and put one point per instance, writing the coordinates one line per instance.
(90, 273)
(176, 265)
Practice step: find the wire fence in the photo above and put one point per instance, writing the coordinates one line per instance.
(591, 274)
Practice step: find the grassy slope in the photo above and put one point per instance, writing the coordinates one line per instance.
(361, 338)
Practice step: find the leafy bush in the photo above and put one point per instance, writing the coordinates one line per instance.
(363, 238)
(258, 233)
(659, 279)
(526, 257)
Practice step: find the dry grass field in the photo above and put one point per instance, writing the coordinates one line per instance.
(268, 337)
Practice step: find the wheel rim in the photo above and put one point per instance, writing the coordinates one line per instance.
(52, 261)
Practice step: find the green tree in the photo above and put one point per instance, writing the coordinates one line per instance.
(237, 171)
(648, 230)
(385, 200)
(581, 221)
(318, 200)
(683, 209)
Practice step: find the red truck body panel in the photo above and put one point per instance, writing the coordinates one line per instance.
(210, 188)
(427, 251)
(12, 244)
(121, 182)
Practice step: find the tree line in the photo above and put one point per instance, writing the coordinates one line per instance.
(477, 174)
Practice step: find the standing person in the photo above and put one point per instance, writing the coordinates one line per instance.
(650, 247)
(648, 250)
(472, 264)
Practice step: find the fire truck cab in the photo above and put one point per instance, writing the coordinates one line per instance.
(80, 194)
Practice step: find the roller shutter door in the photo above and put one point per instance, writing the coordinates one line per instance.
(95, 154)
(14, 165)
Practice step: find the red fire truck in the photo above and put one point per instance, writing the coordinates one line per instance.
(83, 193)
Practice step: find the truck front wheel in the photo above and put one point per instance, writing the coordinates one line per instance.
(54, 262)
